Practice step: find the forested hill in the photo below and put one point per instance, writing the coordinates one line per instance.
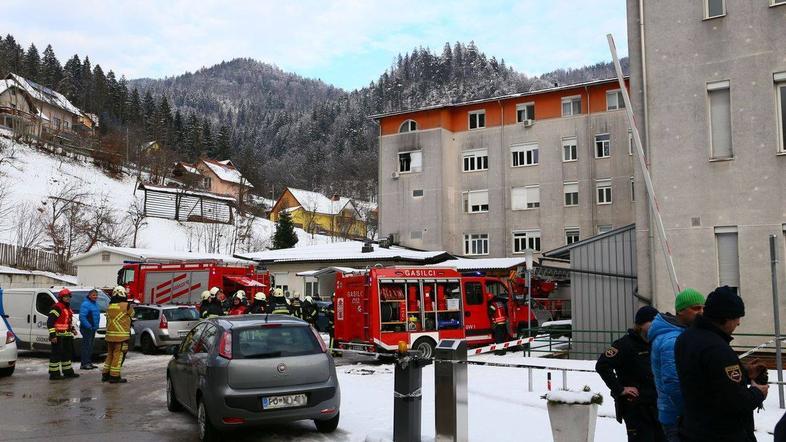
(288, 130)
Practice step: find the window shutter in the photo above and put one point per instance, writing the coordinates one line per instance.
(518, 197)
(533, 194)
(728, 259)
(720, 119)
(417, 161)
(478, 198)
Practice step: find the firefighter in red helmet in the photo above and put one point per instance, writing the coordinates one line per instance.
(61, 335)
(499, 320)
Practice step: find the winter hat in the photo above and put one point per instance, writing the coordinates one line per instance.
(688, 298)
(645, 314)
(724, 303)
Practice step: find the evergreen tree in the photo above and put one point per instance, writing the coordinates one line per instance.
(71, 84)
(100, 90)
(51, 71)
(285, 236)
(223, 143)
(32, 64)
(87, 86)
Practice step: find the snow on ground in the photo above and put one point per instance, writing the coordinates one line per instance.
(33, 176)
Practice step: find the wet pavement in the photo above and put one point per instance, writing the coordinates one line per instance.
(85, 409)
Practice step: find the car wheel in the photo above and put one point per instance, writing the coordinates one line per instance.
(171, 400)
(6, 371)
(327, 426)
(207, 432)
(147, 345)
(425, 347)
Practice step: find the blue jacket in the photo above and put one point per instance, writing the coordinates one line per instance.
(89, 315)
(662, 335)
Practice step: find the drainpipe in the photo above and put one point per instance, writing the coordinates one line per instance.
(645, 110)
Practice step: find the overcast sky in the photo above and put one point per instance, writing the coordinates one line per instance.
(347, 44)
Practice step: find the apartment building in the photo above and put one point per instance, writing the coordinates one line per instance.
(708, 86)
(495, 177)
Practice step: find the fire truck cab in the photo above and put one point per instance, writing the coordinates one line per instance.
(183, 282)
(376, 309)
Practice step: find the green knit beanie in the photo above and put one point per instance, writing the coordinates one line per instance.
(688, 298)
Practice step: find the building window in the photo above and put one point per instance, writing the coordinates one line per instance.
(416, 234)
(312, 287)
(409, 162)
(780, 84)
(728, 256)
(476, 160)
(570, 150)
(476, 244)
(603, 228)
(526, 239)
(524, 112)
(476, 201)
(571, 235)
(417, 193)
(477, 119)
(602, 146)
(408, 126)
(632, 189)
(630, 142)
(571, 194)
(523, 198)
(603, 189)
(614, 100)
(720, 119)
(571, 106)
(104, 256)
(524, 155)
(777, 2)
(714, 8)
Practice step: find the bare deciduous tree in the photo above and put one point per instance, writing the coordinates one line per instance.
(135, 219)
(28, 229)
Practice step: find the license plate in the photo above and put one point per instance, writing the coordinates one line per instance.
(182, 333)
(288, 401)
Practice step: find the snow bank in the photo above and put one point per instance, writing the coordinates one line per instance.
(573, 397)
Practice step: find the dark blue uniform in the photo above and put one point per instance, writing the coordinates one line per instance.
(719, 402)
(627, 364)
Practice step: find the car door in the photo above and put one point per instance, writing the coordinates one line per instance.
(142, 317)
(202, 353)
(40, 332)
(476, 317)
(182, 368)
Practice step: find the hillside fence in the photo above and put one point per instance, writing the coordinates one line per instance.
(25, 258)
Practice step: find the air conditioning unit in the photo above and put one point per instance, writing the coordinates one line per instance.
(395, 175)
(529, 122)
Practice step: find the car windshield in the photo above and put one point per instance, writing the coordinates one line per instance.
(79, 296)
(181, 314)
(276, 341)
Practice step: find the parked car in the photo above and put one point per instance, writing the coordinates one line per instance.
(7, 349)
(158, 326)
(237, 371)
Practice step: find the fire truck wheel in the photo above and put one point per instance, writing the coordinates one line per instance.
(425, 346)
(146, 342)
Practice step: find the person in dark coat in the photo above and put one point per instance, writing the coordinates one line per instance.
(626, 370)
(213, 307)
(310, 311)
(259, 305)
(720, 393)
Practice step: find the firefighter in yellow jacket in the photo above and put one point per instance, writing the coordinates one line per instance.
(118, 332)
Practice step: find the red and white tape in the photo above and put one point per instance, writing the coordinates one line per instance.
(500, 346)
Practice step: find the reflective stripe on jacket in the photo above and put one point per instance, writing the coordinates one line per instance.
(118, 322)
(497, 310)
(59, 320)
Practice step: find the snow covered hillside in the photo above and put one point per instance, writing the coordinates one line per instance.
(30, 178)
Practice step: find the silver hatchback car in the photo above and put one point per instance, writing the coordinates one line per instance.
(236, 371)
(158, 326)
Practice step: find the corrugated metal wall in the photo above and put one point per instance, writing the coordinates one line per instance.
(602, 304)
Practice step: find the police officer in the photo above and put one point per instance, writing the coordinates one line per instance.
(625, 368)
(310, 312)
(499, 320)
(259, 305)
(278, 305)
(720, 393)
(61, 336)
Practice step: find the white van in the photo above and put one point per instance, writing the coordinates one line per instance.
(27, 310)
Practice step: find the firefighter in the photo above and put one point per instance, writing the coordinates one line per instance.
(237, 307)
(310, 311)
(259, 305)
(297, 305)
(205, 301)
(213, 306)
(626, 370)
(118, 332)
(331, 328)
(499, 320)
(61, 335)
(720, 393)
(279, 305)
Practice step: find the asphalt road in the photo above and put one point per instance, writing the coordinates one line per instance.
(85, 409)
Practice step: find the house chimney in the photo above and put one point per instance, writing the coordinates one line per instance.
(335, 197)
(367, 247)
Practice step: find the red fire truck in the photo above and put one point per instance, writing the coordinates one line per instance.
(183, 282)
(377, 308)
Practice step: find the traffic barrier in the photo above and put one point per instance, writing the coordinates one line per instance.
(500, 346)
